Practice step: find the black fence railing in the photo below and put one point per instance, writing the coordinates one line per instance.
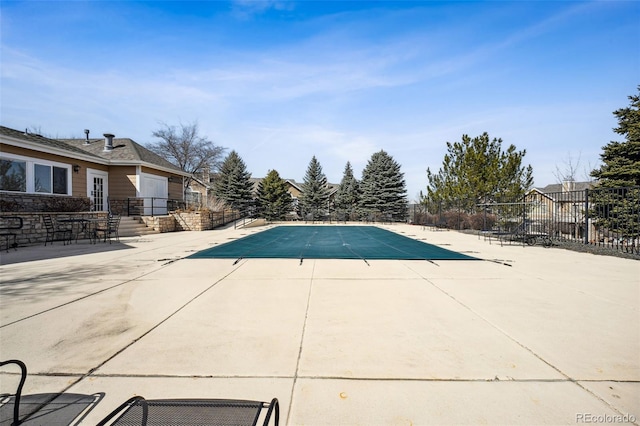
(151, 206)
(225, 217)
(604, 217)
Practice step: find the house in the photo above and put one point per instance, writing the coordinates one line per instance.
(114, 174)
(295, 189)
(560, 207)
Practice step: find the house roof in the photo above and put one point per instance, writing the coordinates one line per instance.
(559, 192)
(333, 187)
(38, 142)
(125, 151)
(560, 187)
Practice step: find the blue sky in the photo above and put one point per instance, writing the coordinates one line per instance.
(282, 81)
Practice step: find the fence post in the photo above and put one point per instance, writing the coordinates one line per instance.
(586, 216)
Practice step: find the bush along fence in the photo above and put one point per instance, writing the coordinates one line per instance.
(603, 217)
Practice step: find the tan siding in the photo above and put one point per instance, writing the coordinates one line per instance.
(154, 171)
(293, 191)
(175, 189)
(122, 182)
(78, 180)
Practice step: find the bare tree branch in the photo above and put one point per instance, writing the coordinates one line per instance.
(183, 146)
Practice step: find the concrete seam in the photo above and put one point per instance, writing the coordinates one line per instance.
(522, 345)
(304, 328)
(128, 345)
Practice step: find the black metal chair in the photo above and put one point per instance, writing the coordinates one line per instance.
(186, 412)
(10, 403)
(53, 229)
(8, 226)
(43, 408)
(111, 228)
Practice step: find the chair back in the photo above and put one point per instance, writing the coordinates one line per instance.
(48, 222)
(113, 222)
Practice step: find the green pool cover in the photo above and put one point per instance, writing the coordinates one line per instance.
(328, 242)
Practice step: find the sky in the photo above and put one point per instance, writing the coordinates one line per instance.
(282, 81)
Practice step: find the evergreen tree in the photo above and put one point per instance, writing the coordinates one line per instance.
(274, 199)
(478, 171)
(382, 189)
(616, 198)
(314, 198)
(233, 183)
(621, 160)
(347, 197)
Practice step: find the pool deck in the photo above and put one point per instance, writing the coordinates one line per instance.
(530, 336)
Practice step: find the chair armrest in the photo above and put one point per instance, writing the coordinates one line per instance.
(23, 378)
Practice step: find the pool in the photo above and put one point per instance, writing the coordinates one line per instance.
(329, 242)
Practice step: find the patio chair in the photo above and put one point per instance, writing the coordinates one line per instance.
(43, 408)
(182, 412)
(111, 228)
(10, 403)
(54, 229)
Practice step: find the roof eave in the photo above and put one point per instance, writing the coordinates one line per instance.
(149, 165)
(21, 143)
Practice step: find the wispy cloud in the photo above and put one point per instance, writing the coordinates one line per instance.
(280, 83)
(245, 9)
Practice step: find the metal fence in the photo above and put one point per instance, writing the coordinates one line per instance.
(151, 206)
(606, 217)
(603, 217)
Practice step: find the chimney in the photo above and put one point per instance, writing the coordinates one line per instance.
(568, 185)
(86, 133)
(108, 142)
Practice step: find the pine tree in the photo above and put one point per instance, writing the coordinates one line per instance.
(621, 160)
(315, 192)
(274, 199)
(616, 196)
(383, 189)
(233, 183)
(347, 197)
(477, 170)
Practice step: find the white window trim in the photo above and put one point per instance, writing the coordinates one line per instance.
(31, 162)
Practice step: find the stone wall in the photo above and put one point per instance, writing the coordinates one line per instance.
(118, 206)
(192, 221)
(33, 230)
(161, 223)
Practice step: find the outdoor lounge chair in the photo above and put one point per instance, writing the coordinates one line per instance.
(178, 412)
(43, 408)
(54, 229)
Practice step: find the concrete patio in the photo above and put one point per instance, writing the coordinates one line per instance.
(529, 336)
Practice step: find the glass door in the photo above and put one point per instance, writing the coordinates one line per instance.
(97, 194)
(97, 190)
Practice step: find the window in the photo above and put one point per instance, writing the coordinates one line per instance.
(50, 179)
(13, 175)
(23, 174)
(193, 198)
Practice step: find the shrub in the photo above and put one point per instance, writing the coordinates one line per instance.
(72, 204)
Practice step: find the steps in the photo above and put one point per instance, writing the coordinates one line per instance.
(131, 226)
